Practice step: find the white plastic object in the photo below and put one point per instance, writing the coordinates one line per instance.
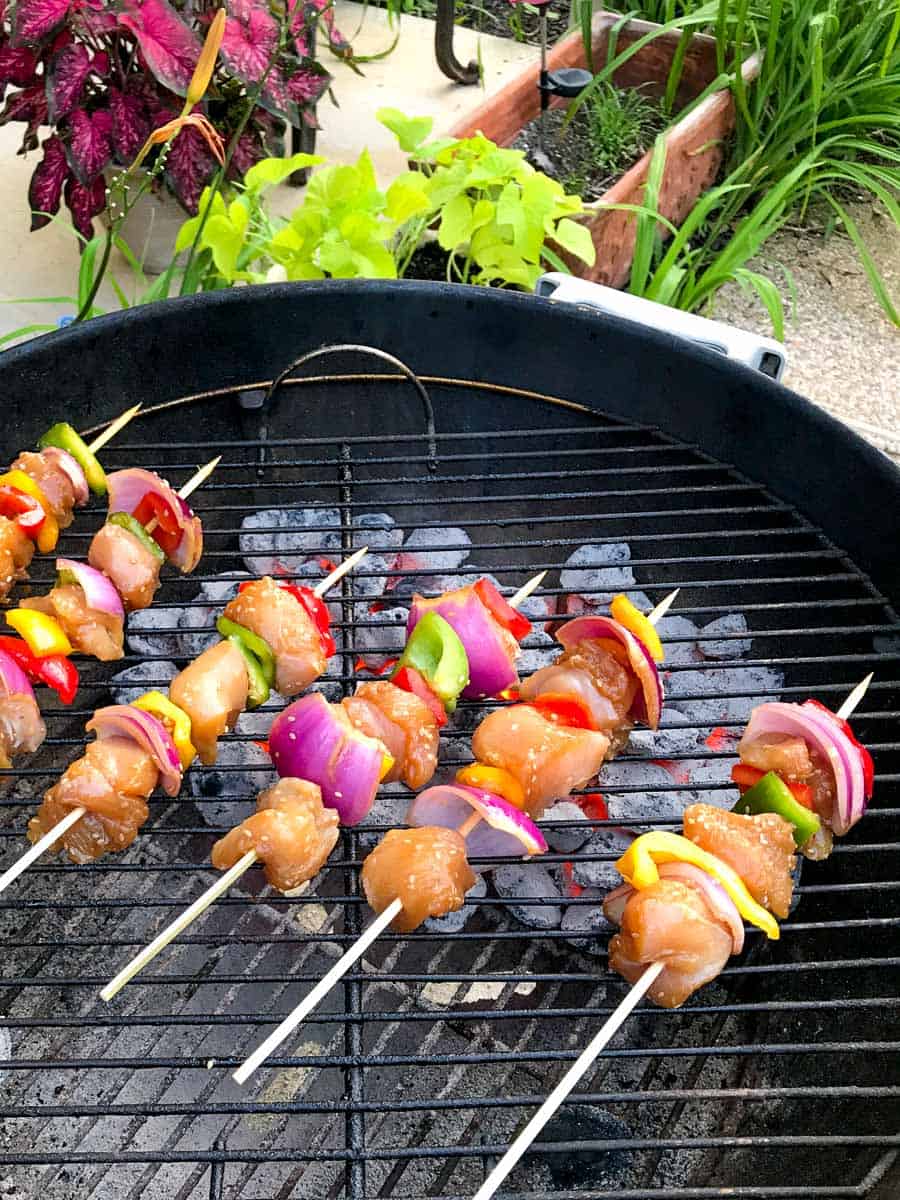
(761, 353)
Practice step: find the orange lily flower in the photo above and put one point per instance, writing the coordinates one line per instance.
(206, 62)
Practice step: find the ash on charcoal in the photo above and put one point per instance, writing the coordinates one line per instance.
(611, 844)
(589, 921)
(142, 677)
(662, 742)
(797, 878)
(153, 631)
(679, 652)
(225, 797)
(598, 569)
(530, 881)
(388, 808)
(5, 1050)
(565, 841)
(425, 546)
(384, 539)
(190, 629)
(763, 683)
(710, 647)
(455, 921)
(537, 651)
(382, 637)
(640, 807)
(277, 541)
(583, 1169)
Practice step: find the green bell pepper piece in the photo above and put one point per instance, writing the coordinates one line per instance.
(127, 521)
(436, 652)
(257, 646)
(64, 437)
(771, 794)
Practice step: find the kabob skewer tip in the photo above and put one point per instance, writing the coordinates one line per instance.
(113, 428)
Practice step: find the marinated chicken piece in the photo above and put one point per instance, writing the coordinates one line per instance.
(113, 781)
(670, 922)
(548, 760)
(89, 631)
(53, 482)
(426, 869)
(16, 552)
(212, 690)
(592, 673)
(760, 848)
(132, 568)
(780, 752)
(276, 616)
(404, 723)
(21, 728)
(292, 834)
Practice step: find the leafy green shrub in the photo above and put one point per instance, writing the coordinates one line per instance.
(623, 122)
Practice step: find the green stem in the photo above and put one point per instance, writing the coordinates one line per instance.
(85, 311)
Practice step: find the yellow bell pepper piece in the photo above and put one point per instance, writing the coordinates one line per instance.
(42, 634)
(387, 761)
(623, 611)
(48, 535)
(493, 779)
(175, 720)
(638, 866)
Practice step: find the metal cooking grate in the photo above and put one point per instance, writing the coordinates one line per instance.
(780, 1080)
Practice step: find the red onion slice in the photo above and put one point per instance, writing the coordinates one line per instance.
(128, 488)
(504, 831)
(614, 903)
(314, 740)
(13, 680)
(71, 468)
(121, 720)
(717, 899)
(99, 591)
(491, 651)
(647, 706)
(830, 741)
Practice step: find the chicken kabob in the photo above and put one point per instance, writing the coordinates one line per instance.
(100, 803)
(388, 730)
(533, 752)
(41, 490)
(681, 909)
(84, 612)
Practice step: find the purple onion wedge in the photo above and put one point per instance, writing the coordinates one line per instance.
(504, 831)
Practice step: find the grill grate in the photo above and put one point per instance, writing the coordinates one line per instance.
(779, 1080)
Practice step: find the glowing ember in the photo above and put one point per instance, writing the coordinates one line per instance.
(593, 806)
(678, 771)
(362, 666)
(721, 739)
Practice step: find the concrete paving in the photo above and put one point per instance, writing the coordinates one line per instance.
(844, 353)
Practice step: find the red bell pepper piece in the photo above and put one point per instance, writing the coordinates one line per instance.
(166, 531)
(315, 607)
(55, 670)
(564, 710)
(747, 777)
(868, 766)
(502, 612)
(25, 510)
(410, 680)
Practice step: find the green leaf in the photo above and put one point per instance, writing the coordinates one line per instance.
(225, 237)
(186, 234)
(407, 196)
(86, 267)
(269, 172)
(768, 293)
(456, 223)
(25, 331)
(410, 132)
(576, 239)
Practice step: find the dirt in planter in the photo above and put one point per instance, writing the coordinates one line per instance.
(429, 261)
(599, 145)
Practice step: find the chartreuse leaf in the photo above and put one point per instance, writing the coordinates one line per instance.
(410, 132)
(269, 172)
(456, 226)
(407, 197)
(576, 239)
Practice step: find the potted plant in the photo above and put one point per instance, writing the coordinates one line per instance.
(660, 63)
(103, 74)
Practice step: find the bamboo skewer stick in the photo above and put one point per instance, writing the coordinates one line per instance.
(111, 430)
(74, 815)
(306, 1006)
(601, 1039)
(233, 874)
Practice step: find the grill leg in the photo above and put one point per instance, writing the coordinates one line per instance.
(303, 140)
(447, 61)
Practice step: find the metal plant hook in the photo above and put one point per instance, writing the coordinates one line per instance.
(345, 347)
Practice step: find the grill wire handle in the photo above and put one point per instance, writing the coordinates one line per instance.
(354, 348)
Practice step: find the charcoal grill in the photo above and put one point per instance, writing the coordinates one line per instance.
(552, 429)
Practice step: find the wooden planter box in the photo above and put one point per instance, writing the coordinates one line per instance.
(694, 143)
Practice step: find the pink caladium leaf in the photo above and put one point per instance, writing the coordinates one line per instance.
(308, 83)
(100, 64)
(85, 203)
(65, 80)
(168, 44)
(189, 168)
(247, 152)
(45, 189)
(250, 40)
(89, 144)
(130, 124)
(95, 18)
(32, 20)
(30, 106)
(17, 65)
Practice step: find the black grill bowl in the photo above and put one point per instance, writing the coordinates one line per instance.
(553, 428)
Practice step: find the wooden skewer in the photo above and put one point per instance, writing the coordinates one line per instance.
(656, 615)
(526, 589)
(586, 1059)
(75, 814)
(309, 1002)
(111, 430)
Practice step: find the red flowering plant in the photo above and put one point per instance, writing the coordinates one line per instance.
(105, 75)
